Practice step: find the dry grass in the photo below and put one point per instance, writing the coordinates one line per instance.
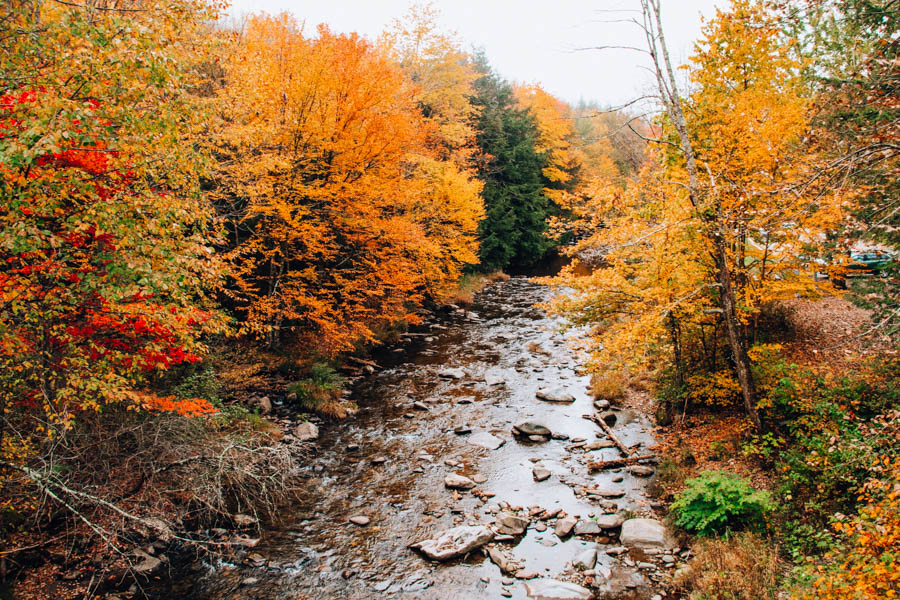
(609, 386)
(743, 567)
(472, 283)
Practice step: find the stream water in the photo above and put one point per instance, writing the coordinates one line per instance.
(389, 461)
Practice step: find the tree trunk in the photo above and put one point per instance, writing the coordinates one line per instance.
(736, 339)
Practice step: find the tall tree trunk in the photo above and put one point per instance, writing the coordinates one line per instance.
(736, 338)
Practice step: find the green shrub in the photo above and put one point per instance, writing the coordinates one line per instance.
(321, 391)
(200, 382)
(716, 501)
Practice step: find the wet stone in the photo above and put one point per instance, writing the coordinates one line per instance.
(645, 533)
(456, 373)
(454, 542)
(587, 527)
(540, 473)
(557, 394)
(458, 482)
(564, 526)
(586, 559)
(484, 439)
(552, 589)
(510, 524)
(529, 428)
(641, 471)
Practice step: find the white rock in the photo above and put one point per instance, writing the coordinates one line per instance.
(455, 542)
(306, 431)
(458, 482)
(557, 394)
(553, 589)
(645, 533)
(484, 439)
(359, 520)
(606, 492)
(493, 379)
(587, 527)
(609, 521)
(586, 559)
(456, 373)
(564, 526)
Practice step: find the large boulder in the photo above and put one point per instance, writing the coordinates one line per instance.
(455, 542)
(557, 394)
(645, 533)
(553, 589)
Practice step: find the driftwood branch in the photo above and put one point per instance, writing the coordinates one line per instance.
(606, 429)
(600, 465)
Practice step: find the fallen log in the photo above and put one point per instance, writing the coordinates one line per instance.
(622, 447)
(616, 463)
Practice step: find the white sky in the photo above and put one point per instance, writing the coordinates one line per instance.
(527, 41)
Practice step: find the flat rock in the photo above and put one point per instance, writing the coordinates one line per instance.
(484, 439)
(418, 405)
(359, 520)
(587, 527)
(586, 559)
(645, 533)
(462, 430)
(458, 482)
(540, 473)
(609, 521)
(510, 524)
(564, 526)
(641, 471)
(553, 589)
(557, 394)
(493, 379)
(606, 492)
(531, 428)
(455, 542)
(306, 432)
(455, 373)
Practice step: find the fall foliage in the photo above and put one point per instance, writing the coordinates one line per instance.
(180, 192)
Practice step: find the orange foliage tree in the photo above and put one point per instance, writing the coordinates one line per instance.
(346, 220)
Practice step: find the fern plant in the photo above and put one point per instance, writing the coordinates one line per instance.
(716, 501)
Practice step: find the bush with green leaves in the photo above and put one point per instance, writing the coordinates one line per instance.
(321, 390)
(716, 501)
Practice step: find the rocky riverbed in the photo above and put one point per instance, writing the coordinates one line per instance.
(465, 475)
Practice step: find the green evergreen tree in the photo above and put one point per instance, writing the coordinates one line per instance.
(513, 230)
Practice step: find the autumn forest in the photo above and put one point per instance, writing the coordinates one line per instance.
(227, 242)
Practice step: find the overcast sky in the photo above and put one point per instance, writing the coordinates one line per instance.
(527, 41)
